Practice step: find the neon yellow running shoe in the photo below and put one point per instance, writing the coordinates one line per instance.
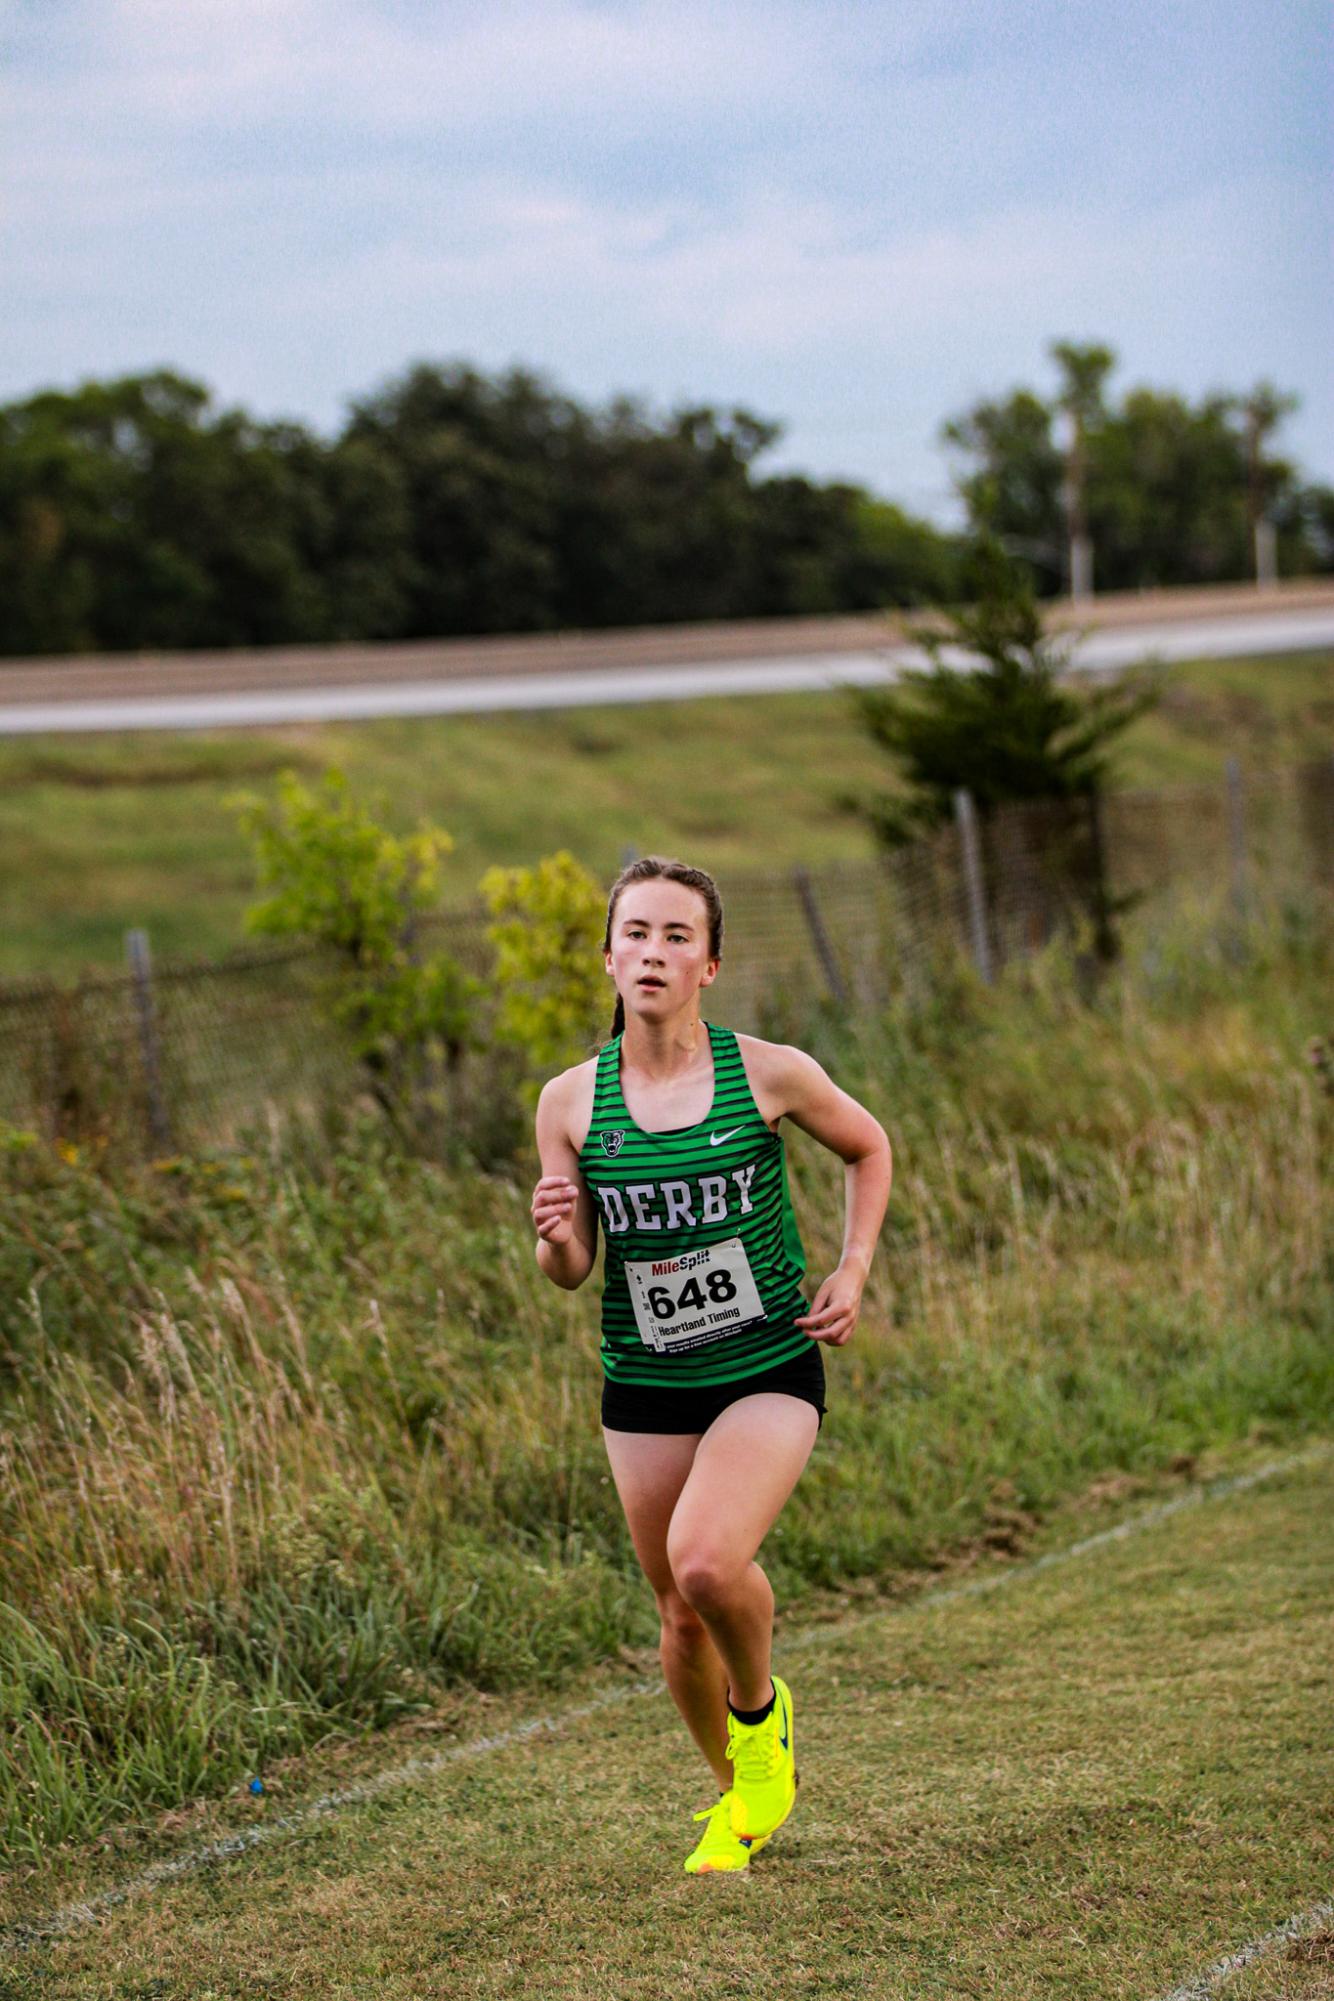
(764, 1766)
(718, 1847)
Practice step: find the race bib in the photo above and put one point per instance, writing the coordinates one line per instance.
(700, 1296)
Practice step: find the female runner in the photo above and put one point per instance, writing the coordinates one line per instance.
(713, 1391)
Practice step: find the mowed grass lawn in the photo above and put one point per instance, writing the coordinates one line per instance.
(99, 833)
(1091, 1784)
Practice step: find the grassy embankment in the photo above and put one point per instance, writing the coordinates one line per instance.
(296, 1441)
(100, 833)
(1091, 1785)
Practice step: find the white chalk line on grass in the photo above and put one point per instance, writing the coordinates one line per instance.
(20, 1933)
(29, 1932)
(1214, 1490)
(1207, 1984)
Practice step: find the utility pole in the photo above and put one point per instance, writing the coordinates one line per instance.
(1081, 549)
(1084, 369)
(1263, 410)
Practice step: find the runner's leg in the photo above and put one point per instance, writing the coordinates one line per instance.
(746, 1465)
(650, 1469)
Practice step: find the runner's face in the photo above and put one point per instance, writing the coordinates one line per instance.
(659, 955)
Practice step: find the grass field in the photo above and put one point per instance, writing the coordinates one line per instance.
(296, 1441)
(1089, 1786)
(101, 833)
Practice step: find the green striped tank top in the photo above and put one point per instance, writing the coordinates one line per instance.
(703, 1256)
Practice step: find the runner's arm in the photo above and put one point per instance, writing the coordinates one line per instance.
(813, 1101)
(562, 1208)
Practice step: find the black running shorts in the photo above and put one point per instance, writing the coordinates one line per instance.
(646, 1407)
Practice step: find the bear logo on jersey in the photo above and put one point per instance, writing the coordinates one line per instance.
(611, 1142)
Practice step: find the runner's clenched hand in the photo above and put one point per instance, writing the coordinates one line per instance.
(834, 1309)
(553, 1208)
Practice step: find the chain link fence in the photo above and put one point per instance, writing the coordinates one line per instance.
(181, 1055)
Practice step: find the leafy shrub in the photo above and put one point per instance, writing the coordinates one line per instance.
(548, 952)
(338, 878)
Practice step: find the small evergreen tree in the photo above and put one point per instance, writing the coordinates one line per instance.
(1005, 730)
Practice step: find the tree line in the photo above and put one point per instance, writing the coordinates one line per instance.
(135, 513)
(1146, 491)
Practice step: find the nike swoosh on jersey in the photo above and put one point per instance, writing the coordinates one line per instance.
(716, 1139)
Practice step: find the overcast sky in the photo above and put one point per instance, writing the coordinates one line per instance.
(856, 219)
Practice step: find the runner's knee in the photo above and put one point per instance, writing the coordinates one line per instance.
(705, 1577)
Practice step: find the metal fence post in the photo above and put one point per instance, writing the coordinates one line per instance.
(965, 815)
(136, 948)
(824, 950)
(1236, 835)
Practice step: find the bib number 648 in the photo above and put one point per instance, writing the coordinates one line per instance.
(710, 1294)
(692, 1295)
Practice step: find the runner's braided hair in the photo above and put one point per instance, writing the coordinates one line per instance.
(645, 870)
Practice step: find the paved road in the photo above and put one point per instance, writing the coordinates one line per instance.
(1271, 631)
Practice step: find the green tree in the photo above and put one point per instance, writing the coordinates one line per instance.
(1012, 490)
(135, 514)
(338, 878)
(132, 515)
(1005, 730)
(352, 532)
(896, 559)
(1167, 493)
(1153, 490)
(472, 458)
(660, 522)
(1305, 521)
(824, 549)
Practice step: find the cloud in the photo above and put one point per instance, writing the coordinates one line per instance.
(856, 217)
(238, 64)
(777, 278)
